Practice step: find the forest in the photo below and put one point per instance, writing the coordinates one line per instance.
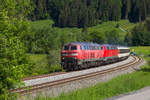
(41, 27)
(85, 13)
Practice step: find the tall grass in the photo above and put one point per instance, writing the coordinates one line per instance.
(119, 85)
(42, 64)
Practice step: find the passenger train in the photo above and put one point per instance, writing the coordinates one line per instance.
(82, 55)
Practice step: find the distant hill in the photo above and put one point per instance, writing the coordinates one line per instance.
(86, 13)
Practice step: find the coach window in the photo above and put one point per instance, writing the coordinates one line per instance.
(114, 47)
(84, 47)
(80, 47)
(111, 48)
(73, 47)
(97, 48)
(107, 48)
(93, 47)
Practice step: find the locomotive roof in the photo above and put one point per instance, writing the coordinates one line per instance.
(92, 44)
(108, 45)
(84, 43)
(115, 45)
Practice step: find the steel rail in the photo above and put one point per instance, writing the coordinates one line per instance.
(44, 75)
(36, 88)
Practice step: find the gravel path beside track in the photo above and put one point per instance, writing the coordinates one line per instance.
(105, 73)
(74, 74)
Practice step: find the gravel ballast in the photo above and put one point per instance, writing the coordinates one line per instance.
(83, 83)
(76, 73)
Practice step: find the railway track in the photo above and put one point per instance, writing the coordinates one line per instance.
(39, 87)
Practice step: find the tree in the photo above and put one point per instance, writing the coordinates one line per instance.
(113, 37)
(128, 39)
(115, 11)
(126, 8)
(138, 11)
(103, 9)
(147, 24)
(140, 35)
(13, 62)
(97, 37)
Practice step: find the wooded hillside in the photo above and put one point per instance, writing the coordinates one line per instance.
(84, 13)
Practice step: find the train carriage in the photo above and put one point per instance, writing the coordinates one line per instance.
(81, 55)
(124, 52)
(110, 53)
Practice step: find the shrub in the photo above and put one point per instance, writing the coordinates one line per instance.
(55, 68)
(13, 62)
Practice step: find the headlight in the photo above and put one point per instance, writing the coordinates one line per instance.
(74, 54)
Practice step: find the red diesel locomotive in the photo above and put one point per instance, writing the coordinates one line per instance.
(81, 55)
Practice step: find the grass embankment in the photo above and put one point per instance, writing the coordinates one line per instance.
(119, 85)
(124, 27)
(42, 63)
(106, 27)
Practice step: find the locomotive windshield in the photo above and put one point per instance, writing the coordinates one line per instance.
(66, 47)
(73, 47)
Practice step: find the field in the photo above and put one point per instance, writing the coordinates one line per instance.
(119, 85)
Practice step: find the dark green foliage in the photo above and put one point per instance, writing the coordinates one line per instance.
(44, 38)
(112, 37)
(13, 62)
(126, 6)
(16, 8)
(128, 39)
(147, 24)
(140, 35)
(138, 11)
(97, 37)
(77, 14)
(85, 13)
(115, 12)
(39, 39)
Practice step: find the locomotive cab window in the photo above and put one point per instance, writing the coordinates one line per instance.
(66, 47)
(73, 47)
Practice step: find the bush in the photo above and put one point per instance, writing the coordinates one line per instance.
(97, 37)
(113, 37)
(13, 62)
(55, 68)
(117, 25)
